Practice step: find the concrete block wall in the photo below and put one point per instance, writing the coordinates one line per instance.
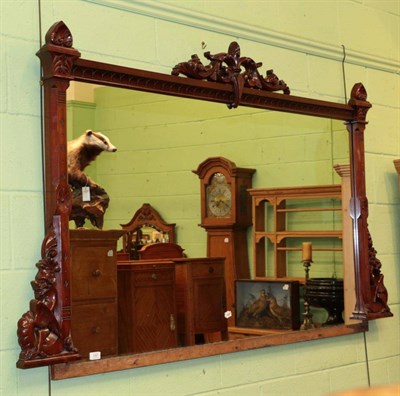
(302, 42)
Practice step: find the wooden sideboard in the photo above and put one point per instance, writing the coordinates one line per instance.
(94, 291)
(163, 303)
(201, 299)
(146, 306)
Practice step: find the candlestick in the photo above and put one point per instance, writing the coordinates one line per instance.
(307, 251)
(307, 255)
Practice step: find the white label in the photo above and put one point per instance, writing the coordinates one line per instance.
(226, 240)
(85, 194)
(285, 287)
(95, 355)
(110, 253)
(228, 314)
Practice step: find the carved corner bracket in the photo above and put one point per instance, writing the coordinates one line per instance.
(43, 336)
(226, 67)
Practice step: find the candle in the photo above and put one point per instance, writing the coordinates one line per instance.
(307, 251)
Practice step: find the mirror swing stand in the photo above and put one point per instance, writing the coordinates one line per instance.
(44, 332)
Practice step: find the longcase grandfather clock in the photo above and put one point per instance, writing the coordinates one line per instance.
(226, 215)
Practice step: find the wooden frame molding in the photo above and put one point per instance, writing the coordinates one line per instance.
(44, 331)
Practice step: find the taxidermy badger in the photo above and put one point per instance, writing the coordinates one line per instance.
(80, 153)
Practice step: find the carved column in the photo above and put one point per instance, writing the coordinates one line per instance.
(371, 294)
(44, 332)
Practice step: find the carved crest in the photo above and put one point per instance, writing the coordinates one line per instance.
(231, 68)
(358, 100)
(60, 35)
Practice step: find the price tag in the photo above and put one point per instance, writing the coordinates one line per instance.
(227, 314)
(85, 194)
(94, 355)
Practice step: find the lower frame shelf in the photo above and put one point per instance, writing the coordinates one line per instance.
(124, 362)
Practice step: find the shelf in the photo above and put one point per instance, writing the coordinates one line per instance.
(308, 210)
(277, 237)
(270, 213)
(314, 249)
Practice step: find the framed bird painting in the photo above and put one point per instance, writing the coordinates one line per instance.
(272, 304)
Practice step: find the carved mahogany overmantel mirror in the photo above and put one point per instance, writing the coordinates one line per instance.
(44, 332)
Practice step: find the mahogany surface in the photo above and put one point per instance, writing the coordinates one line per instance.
(201, 301)
(160, 250)
(146, 306)
(145, 216)
(82, 368)
(44, 332)
(94, 319)
(227, 236)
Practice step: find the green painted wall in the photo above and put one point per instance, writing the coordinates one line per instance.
(302, 42)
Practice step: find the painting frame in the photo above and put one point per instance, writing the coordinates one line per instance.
(272, 304)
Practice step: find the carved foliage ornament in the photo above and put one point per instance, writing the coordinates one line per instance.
(379, 295)
(40, 334)
(227, 68)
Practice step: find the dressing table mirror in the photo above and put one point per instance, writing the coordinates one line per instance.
(146, 227)
(44, 332)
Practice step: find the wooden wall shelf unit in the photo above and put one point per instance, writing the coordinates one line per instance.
(280, 199)
(44, 331)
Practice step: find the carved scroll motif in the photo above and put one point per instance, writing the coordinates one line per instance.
(40, 334)
(227, 68)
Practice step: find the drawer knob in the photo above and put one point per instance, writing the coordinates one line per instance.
(96, 330)
(211, 270)
(96, 273)
(154, 276)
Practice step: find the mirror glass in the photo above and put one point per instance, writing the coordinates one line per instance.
(161, 139)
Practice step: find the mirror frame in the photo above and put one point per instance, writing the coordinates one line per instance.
(44, 332)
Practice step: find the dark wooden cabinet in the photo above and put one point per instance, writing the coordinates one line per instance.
(146, 306)
(94, 291)
(201, 299)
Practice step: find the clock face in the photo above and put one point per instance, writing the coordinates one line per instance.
(219, 202)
